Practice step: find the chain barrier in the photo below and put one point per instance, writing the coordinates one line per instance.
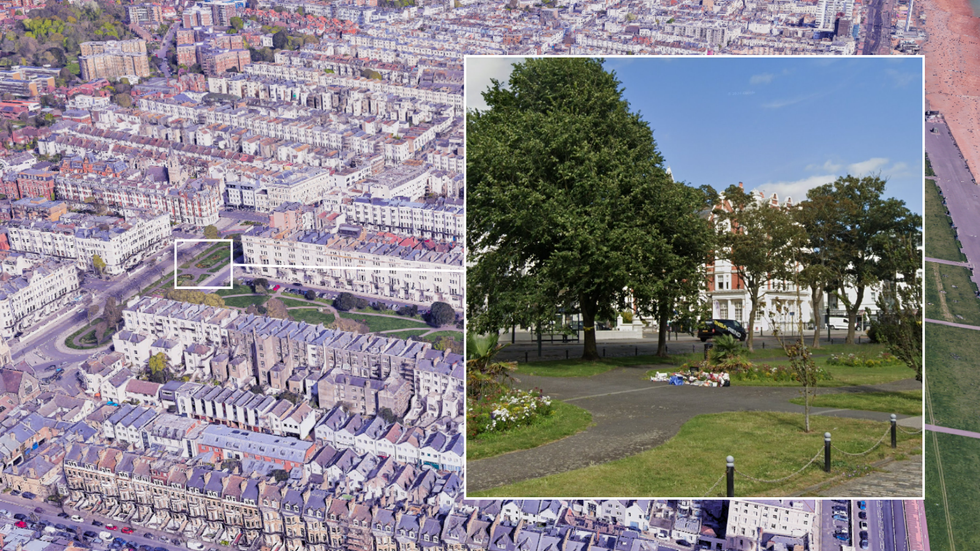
(869, 450)
(908, 431)
(713, 486)
(815, 457)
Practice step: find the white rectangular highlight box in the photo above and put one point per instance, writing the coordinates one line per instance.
(231, 265)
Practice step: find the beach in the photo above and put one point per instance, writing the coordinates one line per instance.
(953, 71)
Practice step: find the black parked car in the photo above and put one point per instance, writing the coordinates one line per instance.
(96, 523)
(713, 328)
(20, 516)
(29, 495)
(90, 534)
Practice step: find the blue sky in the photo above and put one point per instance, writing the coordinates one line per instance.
(781, 125)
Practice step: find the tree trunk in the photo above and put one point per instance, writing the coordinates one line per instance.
(816, 299)
(662, 332)
(852, 312)
(751, 325)
(806, 409)
(590, 352)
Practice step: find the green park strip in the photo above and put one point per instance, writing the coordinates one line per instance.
(953, 378)
(766, 445)
(434, 337)
(905, 403)
(311, 316)
(565, 421)
(237, 289)
(86, 334)
(842, 375)
(382, 323)
(299, 303)
(940, 238)
(952, 463)
(246, 301)
(950, 294)
(166, 282)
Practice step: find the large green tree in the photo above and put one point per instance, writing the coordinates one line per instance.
(861, 228)
(567, 196)
(761, 242)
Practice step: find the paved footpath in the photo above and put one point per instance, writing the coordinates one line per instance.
(895, 479)
(949, 262)
(631, 415)
(952, 324)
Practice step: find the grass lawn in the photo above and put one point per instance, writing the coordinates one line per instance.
(238, 289)
(940, 238)
(951, 505)
(310, 315)
(202, 277)
(217, 258)
(89, 332)
(455, 335)
(952, 376)
(565, 421)
(292, 302)
(844, 375)
(381, 323)
(906, 403)
(244, 302)
(959, 302)
(406, 333)
(765, 445)
(583, 368)
(370, 310)
(167, 281)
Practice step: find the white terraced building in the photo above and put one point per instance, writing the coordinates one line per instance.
(120, 243)
(31, 289)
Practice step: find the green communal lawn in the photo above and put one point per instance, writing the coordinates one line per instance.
(769, 446)
(940, 238)
(382, 323)
(311, 316)
(950, 294)
(566, 420)
(905, 403)
(246, 301)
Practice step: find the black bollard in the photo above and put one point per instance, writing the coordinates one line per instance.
(730, 472)
(894, 430)
(826, 452)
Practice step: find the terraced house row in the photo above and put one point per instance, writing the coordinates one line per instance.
(404, 509)
(276, 350)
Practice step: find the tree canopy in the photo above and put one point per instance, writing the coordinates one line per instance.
(860, 228)
(566, 200)
(760, 241)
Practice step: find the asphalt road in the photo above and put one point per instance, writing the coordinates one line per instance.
(631, 415)
(958, 187)
(875, 27)
(19, 505)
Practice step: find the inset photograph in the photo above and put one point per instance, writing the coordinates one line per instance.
(694, 277)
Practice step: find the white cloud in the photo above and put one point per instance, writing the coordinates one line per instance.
(764, 78)
(828, 166)
(902, 79)
(864, 168)
(479, 71)
(797, 190)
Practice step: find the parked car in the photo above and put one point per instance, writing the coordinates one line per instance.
(842, 518)
(862, 515)
(15, 493)
(864, 544)
(62, 515)
(90, 534)
(713, 328)
(862, 505)
(38, 510)
(96, 523)
(4, 513)
(20, 516)
(28, 495)
(195, 546)
(111, 527)
(76, 518)
(148, 536)
(864, 525)
(20, 524)
(842, 537)
(126, 530)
